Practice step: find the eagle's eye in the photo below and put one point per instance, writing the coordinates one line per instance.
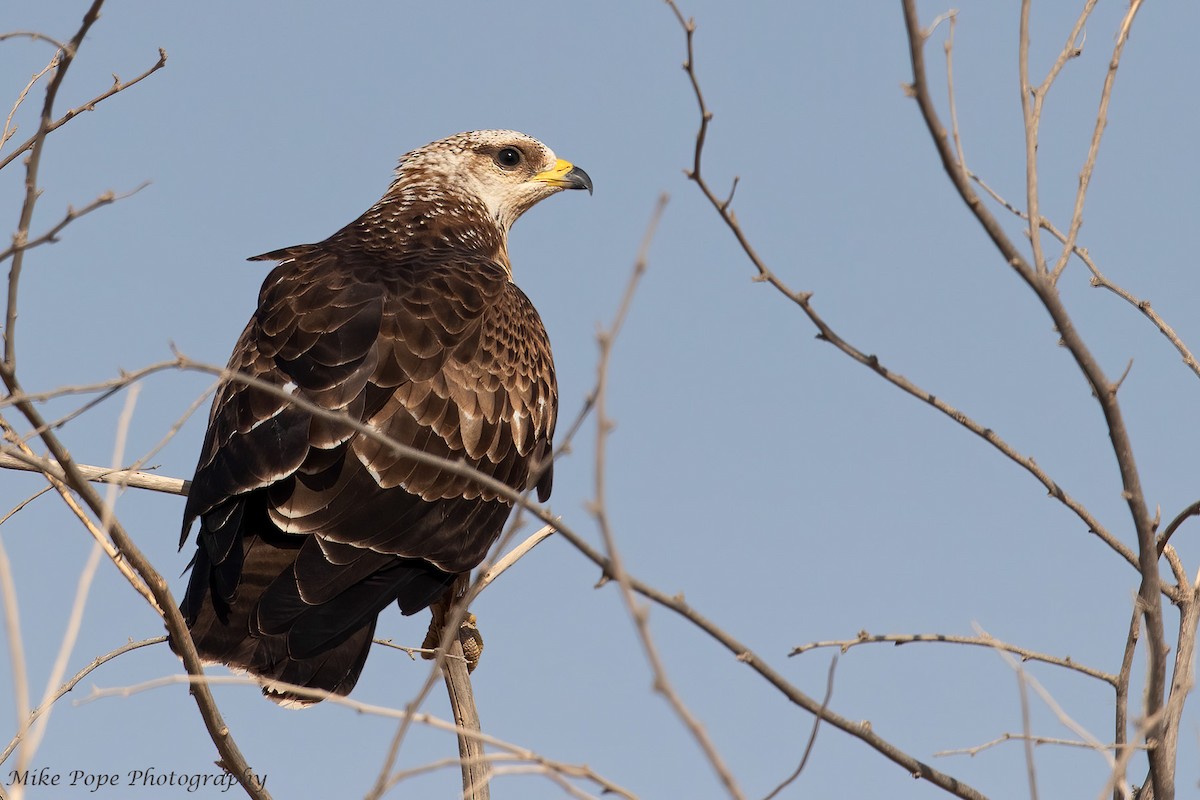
(508, 157)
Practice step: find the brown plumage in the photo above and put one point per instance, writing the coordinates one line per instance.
(408, 321)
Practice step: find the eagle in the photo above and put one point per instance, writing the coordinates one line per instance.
(406, 321)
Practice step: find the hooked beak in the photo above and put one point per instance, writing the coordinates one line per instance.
(565, 175)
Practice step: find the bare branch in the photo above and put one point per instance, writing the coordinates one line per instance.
(16, 646)
(51, 236)
(231, 755)
(74, 681)
(34, 35)
(826, 333)
(1089, 164)
(520, 753)
(599, 508)
(948, 47)
(34, 735)
(133, 478)
(1122, 698)
(476, 768)
(90, 105)
(859, 730)
(9, 130)
(812, 737)
(35, 144)
(1031, 112)
(1042, 284)
(24, 456)
(979, 641)
(1031, 740)
(1183, 680)
(511, 557)
(1180, 518)
(1100, 280)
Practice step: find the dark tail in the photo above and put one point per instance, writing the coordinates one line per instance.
(247, 609)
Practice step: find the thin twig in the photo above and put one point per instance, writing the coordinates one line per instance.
(1089, 164)
(579, 771)
(1032, 101)
(1028, 739)
(812, 737)
(51, 236)
(948, 47)
(31, 737)
(1026, 727)
(1180, 518)
(979, 641)
(21, 505)
(9, 130)
(1121, 702)
(74, 681)
(599, 508)
(55, 477)
(16, 646)
(35, 145)
(35, 735)
(1100, 280)
(1051, 703)
(1031, 107)
(90, 105)
(34, 35)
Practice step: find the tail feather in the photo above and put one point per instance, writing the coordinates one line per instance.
(261, 624)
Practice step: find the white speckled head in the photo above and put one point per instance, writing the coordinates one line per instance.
(507, 171)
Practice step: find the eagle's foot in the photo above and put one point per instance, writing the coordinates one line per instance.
(468, 636)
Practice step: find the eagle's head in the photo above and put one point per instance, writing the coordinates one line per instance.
(505, 172)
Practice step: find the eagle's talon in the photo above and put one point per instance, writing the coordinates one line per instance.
(468, 636)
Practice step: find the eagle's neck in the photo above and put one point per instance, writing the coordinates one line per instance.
(414, 217)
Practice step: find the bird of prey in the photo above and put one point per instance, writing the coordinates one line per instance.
(406, 321)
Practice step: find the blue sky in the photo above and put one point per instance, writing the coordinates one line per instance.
(788, 492)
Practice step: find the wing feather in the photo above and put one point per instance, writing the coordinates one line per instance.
(449, 358)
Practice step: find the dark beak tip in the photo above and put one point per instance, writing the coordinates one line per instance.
(579, 179)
